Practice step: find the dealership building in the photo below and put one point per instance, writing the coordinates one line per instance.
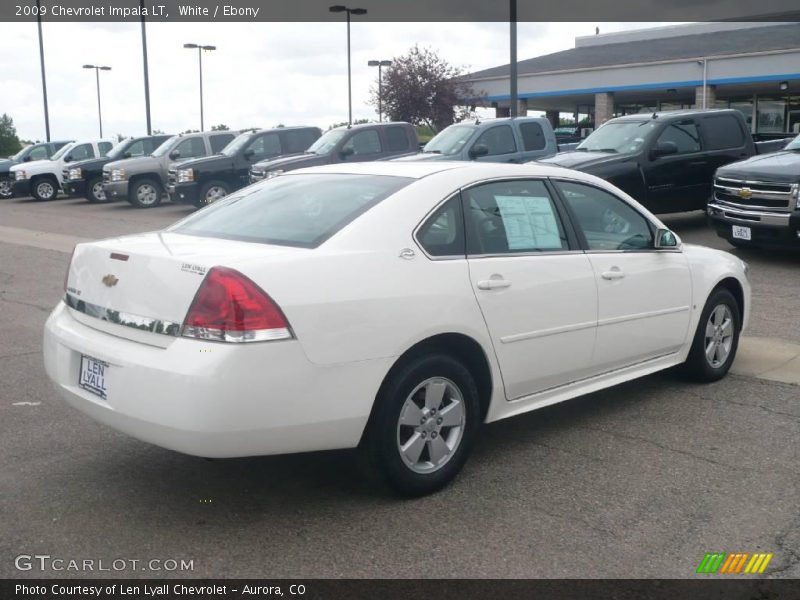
(752, 67)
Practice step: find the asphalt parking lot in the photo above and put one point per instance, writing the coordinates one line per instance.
(640, 480)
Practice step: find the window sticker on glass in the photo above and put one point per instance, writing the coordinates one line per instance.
(529, 222)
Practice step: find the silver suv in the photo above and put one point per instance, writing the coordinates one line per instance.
(143, 180)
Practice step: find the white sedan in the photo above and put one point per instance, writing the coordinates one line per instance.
(388, 306)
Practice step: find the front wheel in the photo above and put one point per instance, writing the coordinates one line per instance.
(6, 189)
(210, 193)
(716, 339)
(94, 190)
(145, 193)
(426, 419)
(44, 189)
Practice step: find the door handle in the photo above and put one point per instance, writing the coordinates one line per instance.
(493, 284)
(614, 273)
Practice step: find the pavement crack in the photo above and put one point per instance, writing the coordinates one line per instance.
(4, 298)
(31, 353)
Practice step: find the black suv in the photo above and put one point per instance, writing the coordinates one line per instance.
(204, 180)
(85, 178)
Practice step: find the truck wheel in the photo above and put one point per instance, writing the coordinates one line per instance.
(716, 339)
(44, 188)
(94, 190)
(145, 193)
(6, 190)
(425, 421)
(210, 193)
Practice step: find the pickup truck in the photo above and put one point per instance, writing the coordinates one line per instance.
(666, 160)
(85, 178)
(143, 181)
(756, 201)
(359, 143)
(43, 179)
(513, 140)
(30, 153)
(204, 180)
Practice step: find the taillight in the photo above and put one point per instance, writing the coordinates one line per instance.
(229, 307)
(66, 274)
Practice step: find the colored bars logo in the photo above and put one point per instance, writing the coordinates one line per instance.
(735, 563)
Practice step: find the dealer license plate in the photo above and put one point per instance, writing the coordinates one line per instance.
(741, 233)
(93, 375)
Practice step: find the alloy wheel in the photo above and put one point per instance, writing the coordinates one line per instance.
(98, 192)
(45, 190)
(719, 336)
(431, 425)
(5, 188)
(146, 194)
(214, 193)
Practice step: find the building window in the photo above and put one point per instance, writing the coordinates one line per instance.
(771, 115)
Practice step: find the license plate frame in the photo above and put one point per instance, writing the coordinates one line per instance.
(92, 376)
(739, 232)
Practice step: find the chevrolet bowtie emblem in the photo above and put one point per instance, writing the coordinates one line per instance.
(110, 281)
(745, 193)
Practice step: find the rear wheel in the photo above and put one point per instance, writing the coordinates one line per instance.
(44, 188)
(94, 190)
(145, 193)
(716, 339)
(426, 419)
(211, 192)
(6, 190)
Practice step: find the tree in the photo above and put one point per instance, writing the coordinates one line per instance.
(157, 132)
(120, 137)
(220, 127)
(344, 123)
(9, 142)
(424, 89)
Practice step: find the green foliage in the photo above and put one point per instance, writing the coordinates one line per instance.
(356, 122)
(220, 127)
(9, 142)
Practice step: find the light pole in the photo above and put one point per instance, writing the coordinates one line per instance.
(200, 49)
(97, 70)
(380, 64)
(514, 108)
(146, 74)
(41, 60)
(350, 11)
(704, 62)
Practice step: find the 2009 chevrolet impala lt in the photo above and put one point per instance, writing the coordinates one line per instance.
(392, 307)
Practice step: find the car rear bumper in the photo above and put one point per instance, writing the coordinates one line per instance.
(781, 230)
(212, 399)
(21, 188)
(184, 192)
(116, 189)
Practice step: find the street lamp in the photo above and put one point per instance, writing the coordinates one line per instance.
(380, 64)
(200, 49)
(97, 70)
(338, 8)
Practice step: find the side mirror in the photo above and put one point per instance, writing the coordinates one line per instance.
(68, 158)
(126, 155)
(664, 149)
(174, 155)
(27, 158)
(666, 239)
(478, 150)
(249, 153)
(346, 151)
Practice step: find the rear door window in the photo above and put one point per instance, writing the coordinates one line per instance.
(532, 136)
(396, 138)
(722, 131)
(296, 141)
(443, 233)
(219, 141)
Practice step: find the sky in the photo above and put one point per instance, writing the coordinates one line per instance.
(261, 75)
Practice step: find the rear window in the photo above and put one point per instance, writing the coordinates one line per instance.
(292, 210)
(298, 140)
(396, 138)
(532, 136)
(218, 142)
(722, 131)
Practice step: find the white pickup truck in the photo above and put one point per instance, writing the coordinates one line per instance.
(42, 179)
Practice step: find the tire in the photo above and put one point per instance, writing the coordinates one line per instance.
(211, 192)
(721, 308)
(403, 419)
(145, 193)
(44, 189)
(94, 191)
(6, 187)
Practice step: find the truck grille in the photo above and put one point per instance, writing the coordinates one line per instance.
(738, 193)
(172, 177)
(256, 175)
(65, 175)
(106, 177)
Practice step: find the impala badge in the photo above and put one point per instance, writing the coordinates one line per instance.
(109, 280)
